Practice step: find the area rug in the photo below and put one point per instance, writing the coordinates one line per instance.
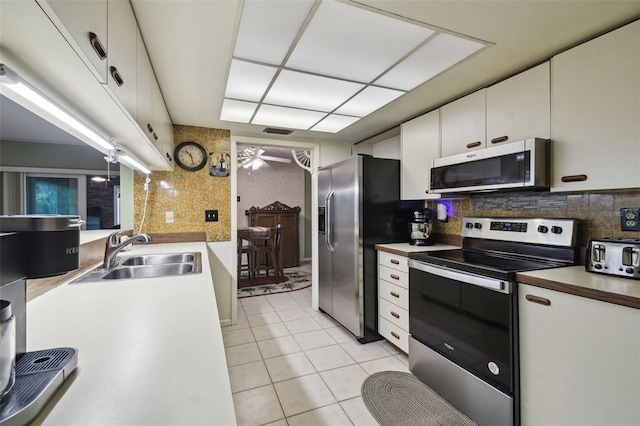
(396, 398)
(295, 280)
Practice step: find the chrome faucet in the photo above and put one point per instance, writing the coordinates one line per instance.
(112, 248)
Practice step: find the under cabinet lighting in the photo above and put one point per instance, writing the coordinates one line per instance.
(127, 159)
(23, 91)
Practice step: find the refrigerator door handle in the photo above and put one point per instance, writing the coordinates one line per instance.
(329, 224)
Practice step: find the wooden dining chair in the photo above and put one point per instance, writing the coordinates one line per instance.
(265, 255)
(245, 250)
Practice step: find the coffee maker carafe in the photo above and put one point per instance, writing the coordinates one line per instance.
(419, 228)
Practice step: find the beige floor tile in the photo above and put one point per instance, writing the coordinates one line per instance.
(326, 321)
(302, 325)
(278, 346)
(340, 334)
(304, 301)
(237, 337)
(270, 331)
(282, 304)
(301, 294)
(314, 339)
(289, 366)
(358, 412)
(263, 318)
(364, 352)
(248, 376)
(242, 323)
(313, 312)
(403, 359)
(242, 354)
(345, 382)
(383, 364)
(329, 357)
(281, 422)
(255, 300)
(389, 347)
(303, 394)
(331, 415)
(293, 314)
(257, 308)
(257, 406)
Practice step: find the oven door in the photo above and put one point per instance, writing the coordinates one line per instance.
(467, 318)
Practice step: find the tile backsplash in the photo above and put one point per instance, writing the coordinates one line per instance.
(598, 212)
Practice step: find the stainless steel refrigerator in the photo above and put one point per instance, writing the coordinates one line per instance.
(358, 207)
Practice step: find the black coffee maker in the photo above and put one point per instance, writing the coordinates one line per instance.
(419, 228)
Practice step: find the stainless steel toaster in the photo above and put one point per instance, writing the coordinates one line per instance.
(614, 256)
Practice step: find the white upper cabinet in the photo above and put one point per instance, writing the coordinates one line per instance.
(144, 88)
(464, 124)
(121, 62)
(86, 23)
(162, 127)
(595, 107)
(420, 144)
(520, 107)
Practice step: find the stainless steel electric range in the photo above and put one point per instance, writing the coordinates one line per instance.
(463, 310)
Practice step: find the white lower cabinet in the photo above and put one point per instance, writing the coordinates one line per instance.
(579, 360)
(393, 299)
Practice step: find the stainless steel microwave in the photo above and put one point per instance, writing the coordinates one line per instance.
(523, 164)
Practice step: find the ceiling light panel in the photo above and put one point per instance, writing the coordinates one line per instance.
(369, 100)
(441, 53)
(248, 81)
(268, 28)
(334, 123)
(300, 90)
(238, 111)
(354, 43)
(270, 115)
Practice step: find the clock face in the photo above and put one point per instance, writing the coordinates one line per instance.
(190, 156)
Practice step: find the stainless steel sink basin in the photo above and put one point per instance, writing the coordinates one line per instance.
(146, 266)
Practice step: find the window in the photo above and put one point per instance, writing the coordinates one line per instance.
(55, 194)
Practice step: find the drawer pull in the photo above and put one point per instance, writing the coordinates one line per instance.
(97, 46)
(500, 139)
(395, 261)
(537, 299)
(574, 178)
(394, 294)
(394, 276)
(396, 335)
(395, 314)
(116, 76)
(474, 144)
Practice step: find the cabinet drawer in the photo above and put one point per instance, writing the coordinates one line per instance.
(394, 276)
(393, 334)
(394, 314)
(394, 261)
(395, 294)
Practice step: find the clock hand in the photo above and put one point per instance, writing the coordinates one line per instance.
(193, 163)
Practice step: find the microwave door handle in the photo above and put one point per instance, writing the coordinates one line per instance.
(328, 221)
(477, 280)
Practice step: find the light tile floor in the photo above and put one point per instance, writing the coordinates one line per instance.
(292, 365)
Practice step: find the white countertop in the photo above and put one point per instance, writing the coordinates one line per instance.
(404, 249)
(150, 351)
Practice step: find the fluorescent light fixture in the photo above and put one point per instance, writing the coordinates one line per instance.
(306, 91)
(129, 160)
(248, 81)
(369, 100)
(287, 117)
(334, 123)
(441, 53)
(53, 112)
(99, 179)
(238, 111)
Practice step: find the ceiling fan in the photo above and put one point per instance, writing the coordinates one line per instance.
(253, 157)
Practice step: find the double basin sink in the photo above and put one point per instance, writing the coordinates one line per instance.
(146, 266)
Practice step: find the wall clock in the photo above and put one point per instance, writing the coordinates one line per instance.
(190, 156)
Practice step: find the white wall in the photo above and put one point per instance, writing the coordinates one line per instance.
(389, 148)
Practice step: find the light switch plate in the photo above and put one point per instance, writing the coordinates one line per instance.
(630, 219)
(169, 217)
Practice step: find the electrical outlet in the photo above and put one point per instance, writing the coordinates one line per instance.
(630, 219)
(211, 215)
(168, 217)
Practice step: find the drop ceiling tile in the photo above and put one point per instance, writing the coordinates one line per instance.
(271, 115)
(369, 100)
(268, 28)
(334, 123)
(300, 90)
(248, 81)
(354, 43)
(238, 111)
(441, 53)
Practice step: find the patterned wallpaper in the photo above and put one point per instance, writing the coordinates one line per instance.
(598, 212)
(188, 194)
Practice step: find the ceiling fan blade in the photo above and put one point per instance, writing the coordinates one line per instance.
(277, 159)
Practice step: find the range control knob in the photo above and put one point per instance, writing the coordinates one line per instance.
(543, 229)
(477, 225)
(556, 230)
(598, 266)
(629, 271)
(469, 225)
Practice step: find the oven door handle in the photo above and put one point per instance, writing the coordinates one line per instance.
(477, 280)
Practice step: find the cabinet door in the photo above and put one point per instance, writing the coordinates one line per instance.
(579, 360)
(595, 107)
(144, 88)
(464, 124)
(520, 107)
(162, 135)
(420, 144)
(122, 34)
(81, 18)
